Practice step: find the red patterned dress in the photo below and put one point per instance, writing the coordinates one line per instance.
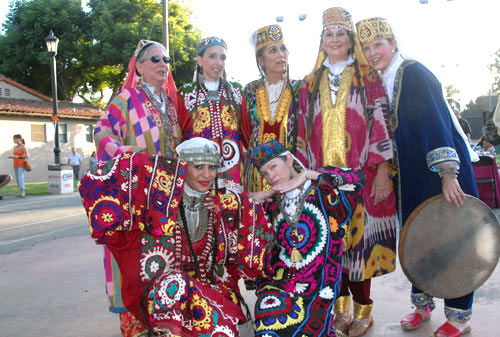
(217, 118)
(176, 284)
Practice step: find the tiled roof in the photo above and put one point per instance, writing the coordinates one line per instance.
(24, 88)
(12, 106)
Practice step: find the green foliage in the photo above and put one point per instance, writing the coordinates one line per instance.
(23, 53)
(495, 69)
(94, 47)
(450, 92)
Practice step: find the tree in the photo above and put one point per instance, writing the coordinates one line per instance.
(450, 92)
(495, 69)
(117, 26)
(94, 47)
(23, 52)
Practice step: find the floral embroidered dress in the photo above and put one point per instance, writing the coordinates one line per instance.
(215, 116)
(345, 134)
(133, 123)
(264, 119)
(187, 283)
(298, 297)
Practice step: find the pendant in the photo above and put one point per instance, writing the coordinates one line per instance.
(295, 257)
(213, 95)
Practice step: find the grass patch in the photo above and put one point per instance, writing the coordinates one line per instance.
(31, 188)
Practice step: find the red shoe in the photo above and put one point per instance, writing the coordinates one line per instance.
(449, 330)
(412, 321)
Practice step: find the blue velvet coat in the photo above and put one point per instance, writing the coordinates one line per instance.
(425, 136)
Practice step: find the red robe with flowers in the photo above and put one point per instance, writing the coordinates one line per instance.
(132, 203)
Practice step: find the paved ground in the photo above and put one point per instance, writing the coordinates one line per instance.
(52, 284)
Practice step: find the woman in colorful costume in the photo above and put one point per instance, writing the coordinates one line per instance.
(214, 104)
(143, 117)
(431, 150)
(269, 104)
(309, 215)
(346, 124)
(181, 249)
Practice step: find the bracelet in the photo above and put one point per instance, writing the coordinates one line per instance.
(448, 172)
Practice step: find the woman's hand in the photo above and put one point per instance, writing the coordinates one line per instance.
(262, 196)
(452, 191)
(291, 184)
(381, 187)
(209, 201)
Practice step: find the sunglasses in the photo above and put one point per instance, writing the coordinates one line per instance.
(156, 59)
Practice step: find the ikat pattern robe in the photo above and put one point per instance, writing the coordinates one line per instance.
(348, 134)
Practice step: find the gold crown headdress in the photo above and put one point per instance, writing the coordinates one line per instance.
(337, 17)
(374, 29)
(266, 36)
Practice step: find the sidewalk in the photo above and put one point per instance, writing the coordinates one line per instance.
(56, 289)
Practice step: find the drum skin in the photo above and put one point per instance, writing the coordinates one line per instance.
(448, 251)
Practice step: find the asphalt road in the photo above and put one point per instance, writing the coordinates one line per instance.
(52, 279)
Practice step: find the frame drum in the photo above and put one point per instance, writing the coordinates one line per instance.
(448, 252)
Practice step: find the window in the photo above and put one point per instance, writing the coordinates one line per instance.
(38, 133)
(90, 133)
(63, 133)
(0, 91)
(7, 92)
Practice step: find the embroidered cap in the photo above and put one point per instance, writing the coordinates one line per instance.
(374, 29)
(199, 151)
(266, 152)
(337, 17)
(266, 36)
(209, 42)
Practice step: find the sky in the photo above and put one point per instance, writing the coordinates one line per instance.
(455, 39)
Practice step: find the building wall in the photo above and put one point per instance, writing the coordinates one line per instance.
(42, 153)
(15, 92)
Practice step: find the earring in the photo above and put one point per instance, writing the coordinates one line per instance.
(393, 50)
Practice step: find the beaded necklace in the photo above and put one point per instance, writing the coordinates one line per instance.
(292, 218)
(203, 271)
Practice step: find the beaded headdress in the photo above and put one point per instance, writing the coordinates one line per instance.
(266, 152)
(337, 17)
(266, 36)
(374, 29)
(209, 42)
(200, 151)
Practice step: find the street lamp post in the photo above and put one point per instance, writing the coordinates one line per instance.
(52, 42)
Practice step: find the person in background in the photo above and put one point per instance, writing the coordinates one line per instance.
(93, 161)
(434, 155)
(345, 123)
(5, 179)
(484, 147)
(146, 116)
(270, 104)
(464, 124)
(214, 104)
(20, 155)
(75, 159)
